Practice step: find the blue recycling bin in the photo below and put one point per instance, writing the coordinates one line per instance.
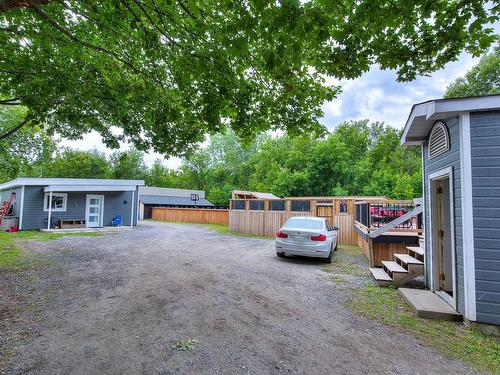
(117, 221)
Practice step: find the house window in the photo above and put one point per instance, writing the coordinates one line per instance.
(439, 141)
(58, 201)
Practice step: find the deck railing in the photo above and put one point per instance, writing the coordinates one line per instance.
(374, 215)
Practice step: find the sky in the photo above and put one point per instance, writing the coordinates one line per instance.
(376, 95)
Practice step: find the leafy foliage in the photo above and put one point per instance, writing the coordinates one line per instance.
(482, 79)
(163, 74)
(356, 158)
(24, 154)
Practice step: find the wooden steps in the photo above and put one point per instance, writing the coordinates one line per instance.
(406, 259)
(416, 250)
(404, 268)
(382, 278)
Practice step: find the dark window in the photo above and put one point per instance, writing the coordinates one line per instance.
(239, 205)
(277, 205)
(343, 207)
(256, 205)
(301, 206)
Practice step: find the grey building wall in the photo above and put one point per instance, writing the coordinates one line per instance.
(34, 217)
(449, 158)
(485, 150)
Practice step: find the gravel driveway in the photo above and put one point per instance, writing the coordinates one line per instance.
(115, 305)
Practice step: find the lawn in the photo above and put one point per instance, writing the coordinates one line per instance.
(11, 256)
(349, 271)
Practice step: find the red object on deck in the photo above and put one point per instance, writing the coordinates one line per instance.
(13, 229)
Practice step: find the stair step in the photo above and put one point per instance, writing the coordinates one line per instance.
(393, 267)
(380, 275)
(407, 259)
(417, 250)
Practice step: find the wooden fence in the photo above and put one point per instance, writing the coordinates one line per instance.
(191, 215)
(265, 217)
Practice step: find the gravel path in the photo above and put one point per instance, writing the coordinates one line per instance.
(115, 305)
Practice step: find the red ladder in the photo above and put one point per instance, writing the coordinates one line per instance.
(7, 206)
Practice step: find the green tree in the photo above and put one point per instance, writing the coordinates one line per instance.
(29, 153)
(160, 176)
(482, 79)
(78, 164)
(128, 165)
(166, 73)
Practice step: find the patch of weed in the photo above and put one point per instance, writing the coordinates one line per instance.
(11, 257)
(184, 344)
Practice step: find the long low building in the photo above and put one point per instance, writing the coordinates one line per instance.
(150, 197)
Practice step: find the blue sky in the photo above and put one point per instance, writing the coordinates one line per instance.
(376, 96)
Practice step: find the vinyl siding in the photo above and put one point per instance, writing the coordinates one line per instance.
(485, 149)
(449, 158)
(36, 218)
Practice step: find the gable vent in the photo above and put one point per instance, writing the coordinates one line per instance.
(439, 141)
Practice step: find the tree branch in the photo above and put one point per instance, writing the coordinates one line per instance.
(13, 101)
(90, 45)
(6, 5)
(15, 128)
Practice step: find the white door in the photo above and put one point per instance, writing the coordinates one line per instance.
(95, 204)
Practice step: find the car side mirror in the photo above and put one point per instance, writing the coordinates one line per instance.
(335, 227)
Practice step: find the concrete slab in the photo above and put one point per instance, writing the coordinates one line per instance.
(87, 230)
(428, 305)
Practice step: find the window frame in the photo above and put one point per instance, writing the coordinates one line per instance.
(46, 199)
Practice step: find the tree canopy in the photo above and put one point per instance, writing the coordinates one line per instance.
(163, 74)
(482, 79)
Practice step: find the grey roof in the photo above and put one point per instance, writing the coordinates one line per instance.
(174, 201)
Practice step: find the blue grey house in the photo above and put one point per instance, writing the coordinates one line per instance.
(75, 203)
(460, 141)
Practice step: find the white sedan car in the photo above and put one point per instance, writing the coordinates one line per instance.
(307, 236)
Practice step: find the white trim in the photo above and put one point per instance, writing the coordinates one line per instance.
(138, 210)
(132, 212)
(69, 182)
(446, 173)
(424, 206)
(21, 209)
(94, 188)
(467, 217)
(439, 109)
(49, 208)
(101, 209)
(49, 218)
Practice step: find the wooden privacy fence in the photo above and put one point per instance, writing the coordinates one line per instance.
(191, 215)
(264, 217)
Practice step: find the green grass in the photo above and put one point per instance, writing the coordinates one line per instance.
(452, 339)
(11, 256)
(385, 305)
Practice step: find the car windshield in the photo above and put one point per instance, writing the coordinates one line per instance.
(303, 224)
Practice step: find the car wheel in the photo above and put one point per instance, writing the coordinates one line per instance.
(281, 255)
(335, 249)
(329, 259)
